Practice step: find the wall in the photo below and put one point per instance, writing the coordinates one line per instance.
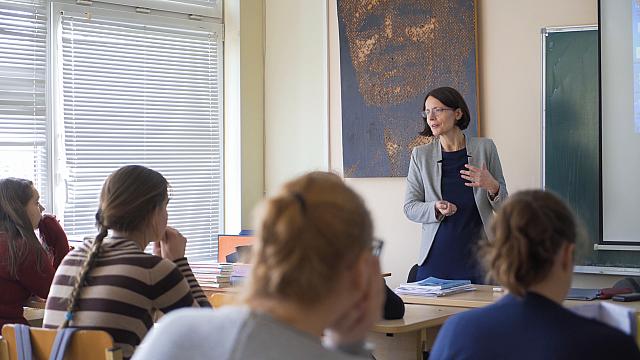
(296, 89)
(244, 111)
(510, 105)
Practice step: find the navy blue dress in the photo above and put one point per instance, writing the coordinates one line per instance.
(533, 327)
(452, 255)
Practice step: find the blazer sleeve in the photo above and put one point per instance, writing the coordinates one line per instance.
(496, 170)
(54, 237)
(416, 207)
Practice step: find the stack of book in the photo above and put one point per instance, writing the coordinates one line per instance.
(240, 273)
(212, 274)
(434, 287)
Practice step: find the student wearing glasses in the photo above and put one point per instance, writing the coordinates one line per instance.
(314, 272)
(530, 252)
(454, 185)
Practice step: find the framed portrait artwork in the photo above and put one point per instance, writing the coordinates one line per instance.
(392, 52)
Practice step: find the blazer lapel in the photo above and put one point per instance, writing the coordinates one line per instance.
(436, 160)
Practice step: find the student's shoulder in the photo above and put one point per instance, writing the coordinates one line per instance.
(589, 338)
(481, 322)
(192, 316)
(598, 336)
(188, 333)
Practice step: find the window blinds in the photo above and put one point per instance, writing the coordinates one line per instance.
(23, 126)
(149, 95)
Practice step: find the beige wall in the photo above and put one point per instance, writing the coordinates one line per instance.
(244, 111)
(510, 105)
(296, 89)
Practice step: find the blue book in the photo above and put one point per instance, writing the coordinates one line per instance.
(441, 284)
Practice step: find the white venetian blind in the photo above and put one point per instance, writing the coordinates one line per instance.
(23, 127)
(149, 95)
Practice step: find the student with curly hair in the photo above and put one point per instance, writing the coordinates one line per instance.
(531, 254)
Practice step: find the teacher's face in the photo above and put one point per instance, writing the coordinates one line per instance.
(442, 119)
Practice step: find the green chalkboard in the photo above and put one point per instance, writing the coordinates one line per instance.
(571, 135)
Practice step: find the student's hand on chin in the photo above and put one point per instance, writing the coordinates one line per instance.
(172, 244)
(354, 324)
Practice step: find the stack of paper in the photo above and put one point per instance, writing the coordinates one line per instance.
(212, 274)
(434, 287)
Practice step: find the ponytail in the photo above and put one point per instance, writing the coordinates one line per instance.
(82, 274)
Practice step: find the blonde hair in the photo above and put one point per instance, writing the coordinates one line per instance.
(528, 231)
(128, 198)
(307, 235)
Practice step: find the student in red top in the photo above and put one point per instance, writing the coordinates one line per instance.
(26, 265)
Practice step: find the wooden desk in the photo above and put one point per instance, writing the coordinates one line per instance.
(409, 337)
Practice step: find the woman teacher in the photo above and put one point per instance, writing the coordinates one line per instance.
(454, 185)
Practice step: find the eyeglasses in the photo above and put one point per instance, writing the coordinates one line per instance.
(376, 246)
(436, 111)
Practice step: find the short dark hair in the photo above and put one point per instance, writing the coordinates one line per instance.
(451, 98)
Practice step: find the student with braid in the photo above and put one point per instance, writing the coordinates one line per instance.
(110, 283)
(26, 265)
(314, 271)
(531, 254)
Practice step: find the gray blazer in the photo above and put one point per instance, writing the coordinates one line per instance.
(424, 186)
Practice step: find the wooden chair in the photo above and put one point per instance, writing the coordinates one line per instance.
(220, 299)
(85, 344)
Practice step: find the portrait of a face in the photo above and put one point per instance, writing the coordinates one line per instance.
(392, 53)
(397, 46)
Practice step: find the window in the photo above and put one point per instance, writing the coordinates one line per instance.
(124, 88)
(140, 91)
(23, 125)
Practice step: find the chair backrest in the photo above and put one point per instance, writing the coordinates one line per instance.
(85, 344)
(220, 299)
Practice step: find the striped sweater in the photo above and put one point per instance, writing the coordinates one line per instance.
(122, 291)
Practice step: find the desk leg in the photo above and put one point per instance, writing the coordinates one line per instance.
(430, 337)
(397, 346)
(404, 346)
(638, 329)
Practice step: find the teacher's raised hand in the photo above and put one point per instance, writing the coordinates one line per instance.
(480, 177)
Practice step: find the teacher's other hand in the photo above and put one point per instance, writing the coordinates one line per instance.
(446, 208)
(480, 177)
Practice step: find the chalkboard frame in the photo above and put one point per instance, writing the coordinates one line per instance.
(598, 246)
